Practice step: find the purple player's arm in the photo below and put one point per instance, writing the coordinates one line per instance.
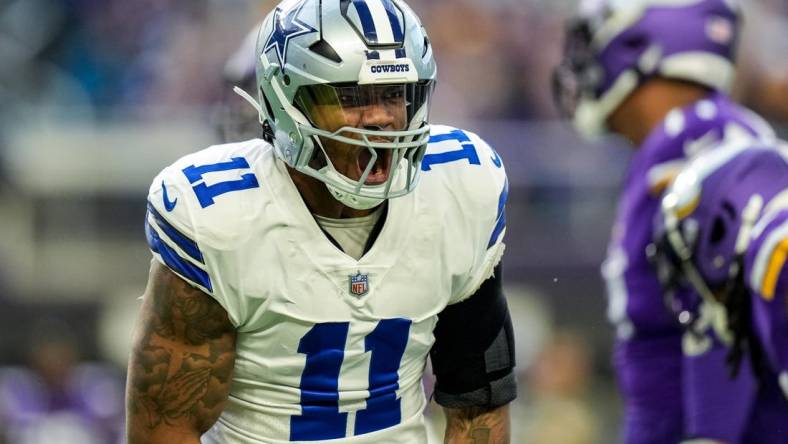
(181, 363)
(477, 426)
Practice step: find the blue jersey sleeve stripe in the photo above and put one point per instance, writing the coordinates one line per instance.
(172, 259)
(456, 134)
(501, 219)
(187, 245)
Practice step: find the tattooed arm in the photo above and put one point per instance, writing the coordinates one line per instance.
(181, 363)
(477, 426)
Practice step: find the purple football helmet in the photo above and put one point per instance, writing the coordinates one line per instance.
(709, 215)
(616, 45)
(709, 212)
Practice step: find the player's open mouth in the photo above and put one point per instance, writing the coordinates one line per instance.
(380, 171)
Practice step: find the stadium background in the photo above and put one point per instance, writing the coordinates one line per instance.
(98, 95)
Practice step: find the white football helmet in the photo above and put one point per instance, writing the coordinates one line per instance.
(319, 63)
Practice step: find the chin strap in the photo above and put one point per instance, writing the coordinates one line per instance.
(349, 199)
(246, 96)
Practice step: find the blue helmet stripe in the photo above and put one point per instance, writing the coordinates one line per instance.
(370, 33)
(396, 28)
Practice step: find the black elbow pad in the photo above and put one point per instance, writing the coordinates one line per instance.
(473, 354)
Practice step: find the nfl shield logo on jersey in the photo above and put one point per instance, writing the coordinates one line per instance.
(359, 284)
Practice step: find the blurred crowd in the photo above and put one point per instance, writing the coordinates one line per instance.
(57, 395)
(113, 57)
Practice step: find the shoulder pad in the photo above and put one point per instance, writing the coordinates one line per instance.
(210, 193)
(462, 165)
(466, 162)
(199, 203)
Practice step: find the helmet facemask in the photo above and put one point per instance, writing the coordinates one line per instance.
(366, 142)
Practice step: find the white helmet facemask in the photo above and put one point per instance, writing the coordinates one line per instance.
(365, 128)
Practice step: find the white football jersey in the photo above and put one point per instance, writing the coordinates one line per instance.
(329, 347)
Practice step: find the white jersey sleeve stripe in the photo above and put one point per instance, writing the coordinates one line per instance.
(181, 240)
(380, 17)
(773, 209)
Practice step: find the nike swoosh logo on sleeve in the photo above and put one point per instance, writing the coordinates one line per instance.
(168, 204)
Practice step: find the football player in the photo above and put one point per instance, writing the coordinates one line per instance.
(726, 235)
(657, 72)
(300, 280)
(235, 119)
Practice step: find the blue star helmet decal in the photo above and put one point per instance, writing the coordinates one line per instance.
(286, 26)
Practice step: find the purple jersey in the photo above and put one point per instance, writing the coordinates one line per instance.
(648, 356)
(766, 273)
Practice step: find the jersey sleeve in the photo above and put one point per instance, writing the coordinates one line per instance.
(171, 232)
(183, 227)
(482, 191)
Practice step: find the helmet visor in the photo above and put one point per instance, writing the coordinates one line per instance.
(389, 107)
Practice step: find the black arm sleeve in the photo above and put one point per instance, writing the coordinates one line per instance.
(473, 354)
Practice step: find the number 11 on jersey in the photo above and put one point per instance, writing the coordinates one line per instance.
(324, 346)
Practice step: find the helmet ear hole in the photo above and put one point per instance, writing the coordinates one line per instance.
(636, 42)
(718, 230)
